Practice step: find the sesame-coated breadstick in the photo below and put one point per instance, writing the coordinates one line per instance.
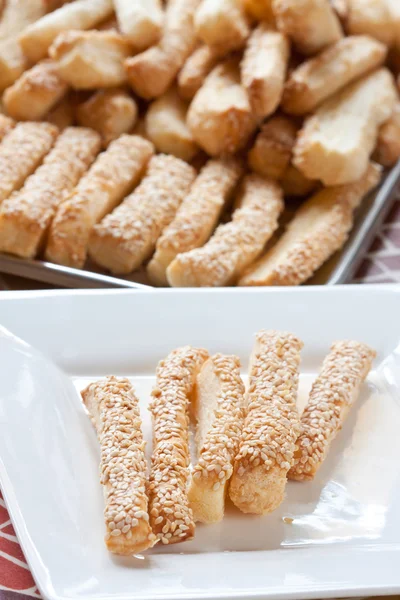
(271, 425)
(21, 151)
(219, 408)
(222, 24)
(140, 21)
(37, 38)
(197, 216)
(234, 245)
(35, 92)
(25, 217)
(332, 395)
(263, 69)
(113, 175)
(152, 72)
(319, 228)
(311, 24)
(6, 124)
(196, 68)
(127, 237)
(171, 517)
(114, 410)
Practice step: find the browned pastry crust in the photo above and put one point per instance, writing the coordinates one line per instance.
(140, 21)
(387, 149)
(222, 24)
(332, 395)
(6, 124)
(196, 68)
(171, 517)
(114, 410)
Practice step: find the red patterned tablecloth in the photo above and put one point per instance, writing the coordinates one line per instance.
(381, 265)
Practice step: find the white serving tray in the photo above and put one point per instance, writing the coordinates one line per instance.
(345, 536)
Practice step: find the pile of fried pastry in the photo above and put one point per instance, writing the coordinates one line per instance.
(172, 137)
(249, 442)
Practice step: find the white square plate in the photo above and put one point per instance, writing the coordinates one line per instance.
(345, 535)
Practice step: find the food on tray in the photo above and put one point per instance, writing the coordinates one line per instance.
(219, 411)
(171, 517)
(114, 409)
(332, 395)
(370, 17)
(26, 216)
(325, 150)
(196, 68)
(236, 244)
(6, 124)
(62, 115)
(111, 177)
(140, 21)
(222, 24)
(124, 239)
(319, 228)
(271, 426)
(271, 152)
(387, 149)
(197, 215)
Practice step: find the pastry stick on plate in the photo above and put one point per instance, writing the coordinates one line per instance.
(21, 151)
(222, 24)
(197, 216)
(264, 68)
(332, 395)
(318, 229)
(196, 68)
(294, 183)
(35, 92)
(171, 517)
(114, 410)
(272, 150)
(140, 21)
(325, 149)
(320, 77)
(26, 216)
(113, 175)
(152, 72)
(62, 115)
(387, 150)
(37, 38)
(271, 425)
(370, 17)
(234, 245)
(311, 24)
(127, 237)
(219, 410)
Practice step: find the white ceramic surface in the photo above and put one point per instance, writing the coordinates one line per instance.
(345, 535)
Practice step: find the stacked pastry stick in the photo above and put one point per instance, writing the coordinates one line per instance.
(249, 443)
(247, 102)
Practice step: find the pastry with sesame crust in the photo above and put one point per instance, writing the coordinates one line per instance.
(171, 517)
(197, 216)
(271, 425)
(219, 410)
(124, 239)
(319, 228)
(6, 124)
(236, 244)
(332, 395)
(114, 410)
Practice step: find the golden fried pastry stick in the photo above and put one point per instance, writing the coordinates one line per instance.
(62, 115)
(263, 69)
(319, 228)
(370, 17)
(151, 73)
(35, 93)
(171, 517)
(311, 24)
(16, 16)
(332, 395)
(127, 237)
(220, 116)
(319, 78)
(37, 38)
(336, 142)
(113, 175)
(114, 409)
(26, 216)
(196, 68)
(222, 24)
(271, 152)
(197, 216)
(21, 151)
(6, 124)
(109, 112)
(259, 9)
(87, 60)
(234, 245)
(271, 425)
(140, 21)
(294, 183)
(166, 126)
(387, 149)
(219, 410)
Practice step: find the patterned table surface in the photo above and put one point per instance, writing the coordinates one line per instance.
(381, 265)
